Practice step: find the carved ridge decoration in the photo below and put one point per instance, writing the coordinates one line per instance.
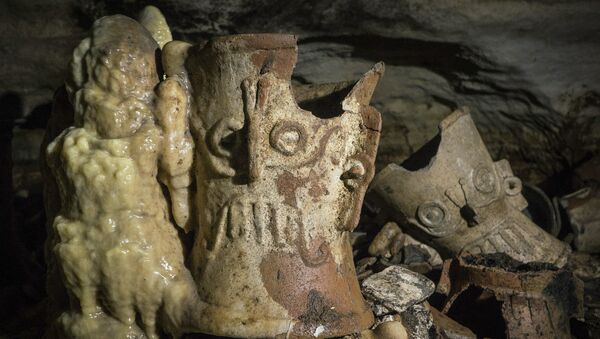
(278, 221)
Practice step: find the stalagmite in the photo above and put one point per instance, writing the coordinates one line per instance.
(112, 241)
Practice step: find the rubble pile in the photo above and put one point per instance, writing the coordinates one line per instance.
(471, 296)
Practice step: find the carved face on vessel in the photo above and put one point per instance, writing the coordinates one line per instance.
(258, 144)
(452, 195)
(277, 186)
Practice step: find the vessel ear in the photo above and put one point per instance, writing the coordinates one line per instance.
(221, 140)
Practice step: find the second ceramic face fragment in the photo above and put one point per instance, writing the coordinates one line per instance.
(453, 196)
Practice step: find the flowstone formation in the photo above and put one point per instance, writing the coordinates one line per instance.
(112, 241)
(277, 189)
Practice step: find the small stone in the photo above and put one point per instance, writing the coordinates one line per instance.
(418, 321)
(380, 246)
(397, 288)
(390, 330)
(387, 330)
(379, 310)
(397, 243)
(434, 257)
(365, 263)
(414, 254)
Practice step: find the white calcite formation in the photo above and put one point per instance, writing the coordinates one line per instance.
(112, 242)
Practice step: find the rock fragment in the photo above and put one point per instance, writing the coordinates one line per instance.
(388, 241)
(397, 288)
(418, 321)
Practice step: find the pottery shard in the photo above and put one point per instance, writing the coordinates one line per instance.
(397, 288)
(446, 327)
(582, 209)
(538, 300)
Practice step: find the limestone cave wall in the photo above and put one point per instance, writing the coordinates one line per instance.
(528, 70)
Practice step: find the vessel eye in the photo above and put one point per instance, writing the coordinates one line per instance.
(288, 137)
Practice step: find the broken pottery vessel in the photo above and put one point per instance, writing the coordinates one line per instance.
(582, 209)
(534, 300)
(279, 188)
(587, 268)
(542, 210)
(451, 195)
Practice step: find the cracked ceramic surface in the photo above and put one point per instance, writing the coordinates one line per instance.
(278, 190)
